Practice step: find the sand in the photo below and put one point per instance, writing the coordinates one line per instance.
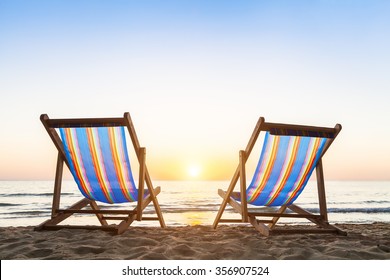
(364, 242)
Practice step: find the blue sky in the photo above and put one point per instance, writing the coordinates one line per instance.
(195, 76)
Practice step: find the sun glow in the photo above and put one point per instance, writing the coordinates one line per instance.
(193, 171)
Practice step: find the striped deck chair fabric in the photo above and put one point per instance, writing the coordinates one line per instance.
(95, 152)
(99, 163)
(289, 155)
(285, 165)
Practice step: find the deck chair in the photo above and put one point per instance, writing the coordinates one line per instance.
(95, 151)
(289, 155)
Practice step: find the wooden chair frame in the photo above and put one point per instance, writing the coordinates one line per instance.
(267, 226)
(125, 216)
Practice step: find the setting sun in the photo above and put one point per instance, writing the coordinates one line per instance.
(193, 171)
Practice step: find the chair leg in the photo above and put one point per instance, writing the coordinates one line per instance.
(63, 216)
(100, 217)
(276, 219)
(244, 203)
(57, 186)
(153, 196)
(158, 212)
(141, 184)
(226, 198)
(125, 224)
(263, 229)
(321, 191)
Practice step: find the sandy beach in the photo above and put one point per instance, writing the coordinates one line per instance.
(364, 242)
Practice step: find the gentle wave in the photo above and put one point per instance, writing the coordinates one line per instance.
(376, 210)
(367, 202)
(24, 213)
(187, 210)
(10, 204)
(182, 203)
(360, 210)
(32, 194)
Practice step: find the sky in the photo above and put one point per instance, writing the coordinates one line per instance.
(195, 76)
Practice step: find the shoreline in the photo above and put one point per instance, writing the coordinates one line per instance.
(363, 242)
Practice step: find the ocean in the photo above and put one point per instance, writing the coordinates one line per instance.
(28, 203)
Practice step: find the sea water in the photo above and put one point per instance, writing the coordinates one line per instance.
(28, 203)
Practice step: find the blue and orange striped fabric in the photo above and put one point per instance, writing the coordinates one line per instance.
(99, 163)
(285, 165)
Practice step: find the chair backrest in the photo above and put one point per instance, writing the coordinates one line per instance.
(98, 160)
(286, 163)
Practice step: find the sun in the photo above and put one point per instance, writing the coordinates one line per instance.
(194, 171)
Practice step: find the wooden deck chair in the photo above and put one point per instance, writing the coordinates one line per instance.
(94, 149)
(289, 155)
